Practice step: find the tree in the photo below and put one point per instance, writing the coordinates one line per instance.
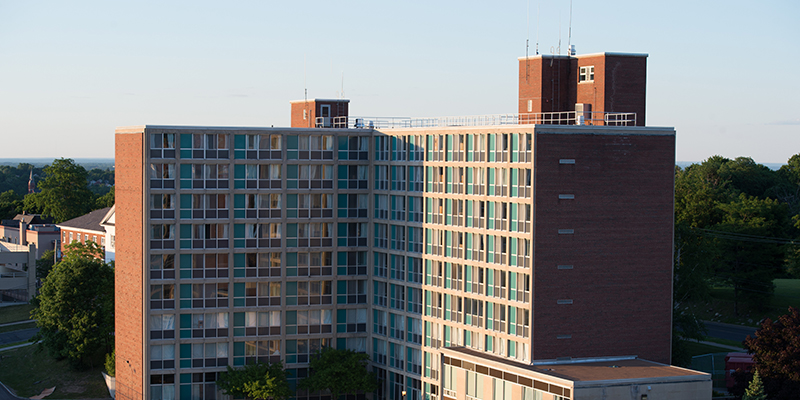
(75, 308)
(10, 204)
(106, 200)
(64, 192)
(258, 381)
(339, 372)
(45, 264)
(776, 355)
(749, 258)
(755, 391)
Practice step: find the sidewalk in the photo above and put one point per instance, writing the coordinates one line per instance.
(724, 346)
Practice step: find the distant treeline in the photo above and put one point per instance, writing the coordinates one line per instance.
(99, 182)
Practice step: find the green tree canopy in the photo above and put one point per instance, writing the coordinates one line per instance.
(75, 307)
(10, 204)
(756, 389)
(64, 192)
(339, 372)
(45, 264)
(776, 355)
(106, 200)
(259, 381)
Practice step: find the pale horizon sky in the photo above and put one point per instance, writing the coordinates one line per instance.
(724, 74)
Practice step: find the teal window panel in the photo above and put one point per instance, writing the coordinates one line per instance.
(186, 171)
(186, 140)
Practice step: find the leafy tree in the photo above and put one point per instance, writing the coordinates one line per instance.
(685, 326)
(45, 264)
(106, 200)
(64, 193)
(776, 355)
(749, 259)
(755, 391)
(111, 363)
(258, 381)
(339, 372)
(10, 204)
(75, 307)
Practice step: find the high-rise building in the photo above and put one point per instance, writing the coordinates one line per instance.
(505, 257)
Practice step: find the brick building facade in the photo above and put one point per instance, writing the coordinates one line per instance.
(445, 253)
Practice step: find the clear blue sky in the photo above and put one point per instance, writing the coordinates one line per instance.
(725, 74)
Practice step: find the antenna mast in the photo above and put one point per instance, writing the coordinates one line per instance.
(569, 40)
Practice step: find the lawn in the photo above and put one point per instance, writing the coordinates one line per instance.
(15, 313)
(28, 372)
(720, 307)
(696, 349)
(18, 327)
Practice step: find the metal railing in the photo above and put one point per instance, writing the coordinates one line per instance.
(552, 118)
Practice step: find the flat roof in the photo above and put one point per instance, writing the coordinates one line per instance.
(608, 53)
(321, 100)
(589, 370)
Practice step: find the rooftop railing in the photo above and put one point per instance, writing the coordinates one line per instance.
(552, 118)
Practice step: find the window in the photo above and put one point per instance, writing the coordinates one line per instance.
(198, 355)
(208, 325)
(310, 205)
(586, 74)
(414, 333)
(162, 387)
(381, 177)
(205, 176)
(398, 204)
(379, 296)
(309, 293)
(313, 234)
(353, 148)
(379, 351)
(162, 266)
(265, 351)
(308, 321)
(397, 298)
(162, 356)
(251, 294)
(208, 236)
(309, 176)
(352, 234)
(162, 176)
(398, 178)
(204, 295)
(315, 263)
(162, 326)
(351, 263)
(353, 176)
(351, 320)
(162, 206)
(396, 357)
(162, 145)
(351, 292)
(259, 264)
(208, 145)
(298, 351)
(415, 178)
(162, 296)
(260, 323)
(162, 236)
(381, 263)
(379, 322)
(353, 205)
(204, 266)
(381, 206)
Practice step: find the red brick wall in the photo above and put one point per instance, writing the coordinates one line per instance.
(297, 114)
(621, 249)
(546, 81)
(129, 261)
(79, 236)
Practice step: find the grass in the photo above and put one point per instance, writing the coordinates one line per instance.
(10, 328)
(720, 307)
(28, 372)
(697, 349)
(21, 312)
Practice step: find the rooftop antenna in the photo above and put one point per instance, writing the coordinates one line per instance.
(537, 27)
(342, 92)
(569, 40)
(305, 79)
(527, 38)
(559, 34)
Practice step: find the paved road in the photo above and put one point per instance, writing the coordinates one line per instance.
(728, 331)
(6, 395)
(17, 336)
